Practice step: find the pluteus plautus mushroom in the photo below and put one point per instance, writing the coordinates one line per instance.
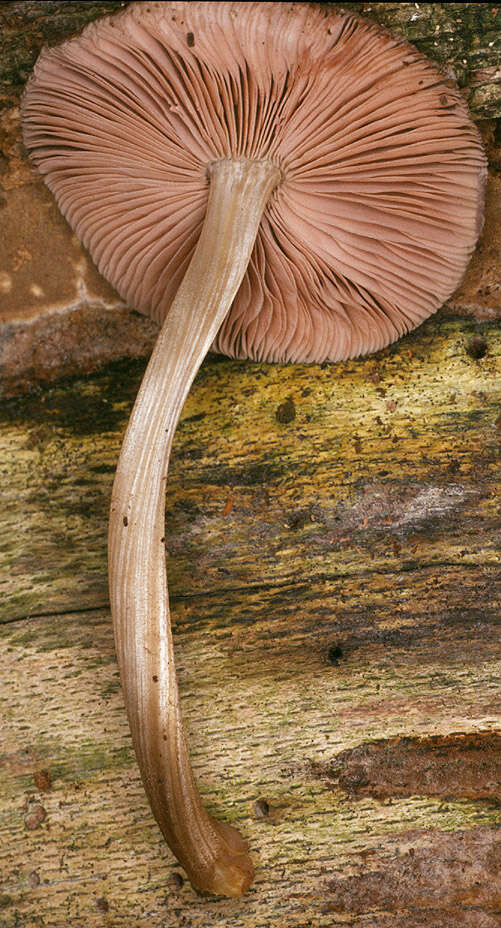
(277, 181)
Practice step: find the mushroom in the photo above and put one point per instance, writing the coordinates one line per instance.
(276, 181)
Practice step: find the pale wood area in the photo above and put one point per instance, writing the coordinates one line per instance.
(334, 580)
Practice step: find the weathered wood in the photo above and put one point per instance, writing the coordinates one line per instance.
(334, 571)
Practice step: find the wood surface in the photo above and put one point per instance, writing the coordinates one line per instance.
(332, 536)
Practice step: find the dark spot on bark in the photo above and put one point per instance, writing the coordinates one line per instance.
(192, 452)
(102, 904)
(190, 40)
(396, 547)
(297, 520)
(335, 654)
(155, 678)
(248, 475)
(43, 780)
(103, 469)
(261, 808)
(286, 412)
(34, 879)
(126, 521)
(476, 347)
(34, 818)
(197, 417)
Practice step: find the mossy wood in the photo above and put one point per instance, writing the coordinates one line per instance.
(333, 567)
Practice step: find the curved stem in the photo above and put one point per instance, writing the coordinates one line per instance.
(212, 853)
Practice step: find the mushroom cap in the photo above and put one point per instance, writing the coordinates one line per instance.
(380, 203)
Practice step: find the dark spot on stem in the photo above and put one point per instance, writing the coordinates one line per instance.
(126, 521)
(155, 678)
(190, 40)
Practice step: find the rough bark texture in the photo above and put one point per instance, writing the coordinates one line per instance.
(334, 569)
(333, 544)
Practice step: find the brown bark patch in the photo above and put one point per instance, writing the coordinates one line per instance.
(479, 293)
(466, 766)
(43, 780)
(425, 881)
(34, 818)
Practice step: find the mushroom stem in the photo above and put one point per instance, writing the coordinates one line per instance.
(212, 852)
